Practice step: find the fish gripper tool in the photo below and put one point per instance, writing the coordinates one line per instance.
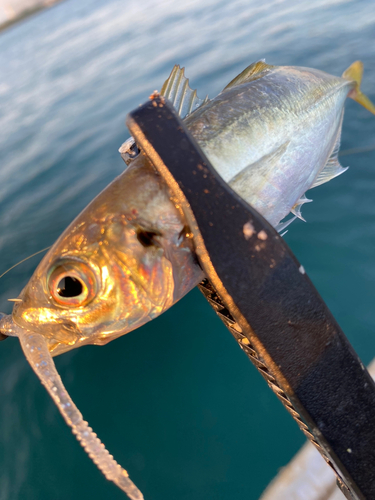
(267, 301)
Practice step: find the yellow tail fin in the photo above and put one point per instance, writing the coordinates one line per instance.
(354, 73)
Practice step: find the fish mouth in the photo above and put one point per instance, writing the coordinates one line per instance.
(45, 322)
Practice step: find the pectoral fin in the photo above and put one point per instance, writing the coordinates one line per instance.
(354, 73)
(176, 89)
(242, 181)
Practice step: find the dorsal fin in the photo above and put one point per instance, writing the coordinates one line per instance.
(185, 100)
(333, 167)
(176, 89)
(249, 74)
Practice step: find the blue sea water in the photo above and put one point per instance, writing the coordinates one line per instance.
(176, 402)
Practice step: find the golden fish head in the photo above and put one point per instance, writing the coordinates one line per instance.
(110, 271)
(98, 290)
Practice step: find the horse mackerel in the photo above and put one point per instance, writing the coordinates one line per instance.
(272, 134)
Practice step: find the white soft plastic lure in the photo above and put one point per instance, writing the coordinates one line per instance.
(272, 133)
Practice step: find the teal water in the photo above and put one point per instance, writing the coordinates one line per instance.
(176, 402)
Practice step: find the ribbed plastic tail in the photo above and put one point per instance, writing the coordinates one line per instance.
(36, 351)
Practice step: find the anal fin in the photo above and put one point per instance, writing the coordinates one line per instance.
(296, 209)
(333, 167)
(331, 170)
(283, 225)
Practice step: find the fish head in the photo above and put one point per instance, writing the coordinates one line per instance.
(92, 291)
(111, 271)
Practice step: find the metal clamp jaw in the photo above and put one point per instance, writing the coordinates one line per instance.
(268, 303)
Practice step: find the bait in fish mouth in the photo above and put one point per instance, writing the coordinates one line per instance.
(271, 134)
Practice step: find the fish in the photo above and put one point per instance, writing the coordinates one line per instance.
(272, 134)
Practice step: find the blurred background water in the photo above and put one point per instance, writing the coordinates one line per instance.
(176, 402)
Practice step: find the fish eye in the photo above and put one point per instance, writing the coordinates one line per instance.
(70, 287)
(72, 284)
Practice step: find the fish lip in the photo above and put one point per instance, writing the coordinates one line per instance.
(66, 328)
(2, 335)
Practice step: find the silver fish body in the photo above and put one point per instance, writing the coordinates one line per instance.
(270, 138)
